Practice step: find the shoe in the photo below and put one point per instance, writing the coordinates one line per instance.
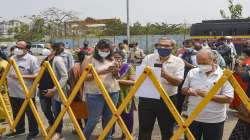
(15, 134)
(2, 130)
(74, 132)
(31, 137)
(56, 136)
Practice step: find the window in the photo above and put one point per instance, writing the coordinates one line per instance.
(39, 46)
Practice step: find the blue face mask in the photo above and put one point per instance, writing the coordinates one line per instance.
(164, 52)
(189, 49)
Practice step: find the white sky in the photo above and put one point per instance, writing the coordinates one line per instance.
(170, 11)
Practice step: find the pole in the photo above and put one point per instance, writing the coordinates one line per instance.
(128, 30)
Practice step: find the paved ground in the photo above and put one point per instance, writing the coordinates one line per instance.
(230, 123)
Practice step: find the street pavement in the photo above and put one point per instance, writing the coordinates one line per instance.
(68, 135)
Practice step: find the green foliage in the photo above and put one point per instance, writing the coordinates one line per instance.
(119, 28)
(234, 9)
(7, 39)
(35, 32)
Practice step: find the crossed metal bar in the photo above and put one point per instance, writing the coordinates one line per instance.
(28, 99)
(227, 75)
(116, 112)
(147, 72)
(67, 103)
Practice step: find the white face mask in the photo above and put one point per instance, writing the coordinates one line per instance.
(18, 52)
(46, 52)
(205, 68)
(155, 51)
(103, 54)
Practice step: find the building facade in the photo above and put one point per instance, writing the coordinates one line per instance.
(6, 26)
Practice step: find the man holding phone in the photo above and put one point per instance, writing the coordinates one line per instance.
(172, 72)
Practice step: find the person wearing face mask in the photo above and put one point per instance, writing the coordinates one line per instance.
(67, 57)
(189, 58)
(49, 91)
(209, 124)
(172, 73)
(104, 63)
(29, 67)
(242, 127)
(126, 81)
(135, 54)
(45, 84)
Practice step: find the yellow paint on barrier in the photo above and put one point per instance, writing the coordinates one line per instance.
(183, 125)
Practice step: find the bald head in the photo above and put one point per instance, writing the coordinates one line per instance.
(205, 57)
(167, 42)
(21, 44)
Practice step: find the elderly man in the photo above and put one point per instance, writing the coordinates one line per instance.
(210, 122)
(172, 74)
(29, 67)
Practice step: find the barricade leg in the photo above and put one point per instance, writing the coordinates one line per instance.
(202, 104)
(28, 100)
(67, 103)
(111, 107)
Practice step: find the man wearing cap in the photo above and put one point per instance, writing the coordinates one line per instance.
(29, 67)
(172, 72)
(229, 43)
(136, 54)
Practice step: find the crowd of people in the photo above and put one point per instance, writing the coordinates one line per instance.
(187, 75)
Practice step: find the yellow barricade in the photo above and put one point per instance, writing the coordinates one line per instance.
(183, 125)
(28, 95)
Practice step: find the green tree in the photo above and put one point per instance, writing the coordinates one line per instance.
(35, 31)
(234, 9)
(115, 28)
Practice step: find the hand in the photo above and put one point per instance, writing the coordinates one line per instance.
(115, 73)
(192, 92)
(163, 73)
(50, 93)
(111, 68)
(201, 93)
(13, 76)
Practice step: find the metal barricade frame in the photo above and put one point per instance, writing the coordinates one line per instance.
(227, 76)
(183, 125)
(28, 99)
(146, 73)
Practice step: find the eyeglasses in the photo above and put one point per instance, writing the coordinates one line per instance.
(163, 46)
(19, 48)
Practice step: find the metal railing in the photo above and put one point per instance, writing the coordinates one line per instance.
(183, 124)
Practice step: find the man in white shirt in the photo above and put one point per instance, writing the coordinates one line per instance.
(172, 72)
(209, 124)
(29, 68)
(229, 43)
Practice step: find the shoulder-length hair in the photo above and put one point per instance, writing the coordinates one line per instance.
(57, 48)
(103, 44)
